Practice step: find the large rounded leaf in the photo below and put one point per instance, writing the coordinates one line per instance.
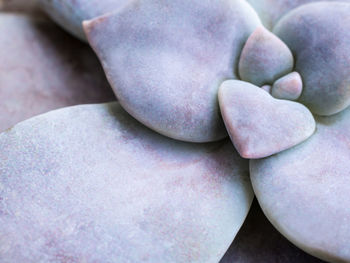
(318, 34)
(91, 184)
(166, 60)
(304, 191)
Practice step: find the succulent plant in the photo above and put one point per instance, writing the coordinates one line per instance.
(152, 177)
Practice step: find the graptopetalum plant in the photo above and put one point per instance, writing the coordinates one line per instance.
(152, 177)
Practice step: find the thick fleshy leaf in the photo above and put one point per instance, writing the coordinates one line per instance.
(264, 58)
(304, 191)
(260, 125)
(166, 60)
(42, 69)
(289, 87)
(71, 14)
(91, 184)
(270, 11)
(318, 34)
(259, 242)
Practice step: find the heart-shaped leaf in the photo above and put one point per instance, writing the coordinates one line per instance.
(260, 125)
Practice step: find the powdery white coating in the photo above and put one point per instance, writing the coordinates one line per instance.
(259, 242)
(42, 69)
(91, 184)
(70, 14)
(318, 36)
(260, 125)
(166, 59)
(289, 87)
(270, 11)
(305, 191)
(264, 58)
